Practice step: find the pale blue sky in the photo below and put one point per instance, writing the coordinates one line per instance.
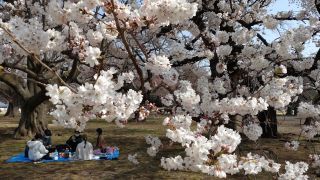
(284, 5)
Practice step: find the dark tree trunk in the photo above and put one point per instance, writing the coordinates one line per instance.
(268, 123)
(32, 122)
(12, 110)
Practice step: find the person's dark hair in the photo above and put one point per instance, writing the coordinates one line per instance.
(85, 138)
(47, 132)
(99, 131)
(37, 136)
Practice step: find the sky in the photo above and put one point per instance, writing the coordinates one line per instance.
(2, 105)
(284, 5)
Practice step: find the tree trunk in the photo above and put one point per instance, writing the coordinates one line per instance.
(12, 110)
(32, 122)
(268, 123)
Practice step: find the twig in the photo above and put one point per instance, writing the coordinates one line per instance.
(141, 46)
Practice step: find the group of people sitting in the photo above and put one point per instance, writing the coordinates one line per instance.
(40, 147)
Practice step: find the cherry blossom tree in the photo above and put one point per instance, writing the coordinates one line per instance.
(103, 58)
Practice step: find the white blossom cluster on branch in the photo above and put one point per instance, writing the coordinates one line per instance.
(99, 100)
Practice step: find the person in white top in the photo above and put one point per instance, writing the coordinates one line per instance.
(36, 148)
(84, 149)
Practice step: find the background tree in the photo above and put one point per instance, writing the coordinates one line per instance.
(9, 97)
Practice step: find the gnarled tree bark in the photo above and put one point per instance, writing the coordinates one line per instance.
(32, 121)
(12, 110)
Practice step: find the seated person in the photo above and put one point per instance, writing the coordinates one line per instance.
(100, 146)
(26, 150)
(37, 150)
(46, 139)
(74, 140)
(84, 150)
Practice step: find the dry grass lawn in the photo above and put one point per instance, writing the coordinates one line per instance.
(130, 140)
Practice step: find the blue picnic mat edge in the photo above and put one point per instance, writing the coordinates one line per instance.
(19, 158)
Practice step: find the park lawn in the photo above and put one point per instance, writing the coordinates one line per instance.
(131, 140)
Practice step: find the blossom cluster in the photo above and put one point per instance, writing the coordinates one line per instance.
(239, 105)
(253, 164)
(306, 109)
(198, 148)
(30, 34)
(295, 171)
(253, 131)
(199, 151)
(280, 91)
(293, 145)
(158, 65)
(315, 160)
(155, 143)
(310, 131)
(143, 113)
(93, 100)
(302, 65)
(133, 158)
(168, 12)
(187, 96)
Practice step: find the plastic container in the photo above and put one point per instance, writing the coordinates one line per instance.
(56, 155)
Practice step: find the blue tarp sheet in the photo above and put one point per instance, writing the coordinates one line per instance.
(20, 158)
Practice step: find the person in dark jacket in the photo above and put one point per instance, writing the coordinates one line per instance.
(74, 140)
(46, 139)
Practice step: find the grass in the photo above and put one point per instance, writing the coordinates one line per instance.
(131, 140)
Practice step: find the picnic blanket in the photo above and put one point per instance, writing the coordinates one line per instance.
(21, 159)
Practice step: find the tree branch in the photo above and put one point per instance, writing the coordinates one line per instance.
(187, 61)
(127, 47)
(21, 68)
(14, 81)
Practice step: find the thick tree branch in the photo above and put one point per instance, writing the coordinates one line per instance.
(37, 99)
(15, 82)
(22, 68)
(187, 61)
